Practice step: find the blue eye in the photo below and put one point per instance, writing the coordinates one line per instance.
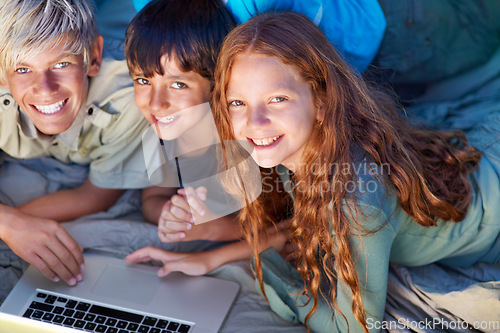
(178, 85)
(141, 81)
(277, 99)
(22, 70)
(61, 64)
(236, 103)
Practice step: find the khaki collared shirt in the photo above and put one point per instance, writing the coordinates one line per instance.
(106, 134)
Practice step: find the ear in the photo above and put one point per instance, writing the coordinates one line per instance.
(96, 58)
(320, 114)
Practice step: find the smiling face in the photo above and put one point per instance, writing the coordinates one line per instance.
(272, 107)
(169, 101)
(52, 86)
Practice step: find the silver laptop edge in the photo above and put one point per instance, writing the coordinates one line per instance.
(204, 301)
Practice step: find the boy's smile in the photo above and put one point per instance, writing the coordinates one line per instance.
(52, 86)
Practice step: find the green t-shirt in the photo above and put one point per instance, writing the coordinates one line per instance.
(398, 238)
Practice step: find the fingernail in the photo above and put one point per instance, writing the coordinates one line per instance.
(56, 279)
(189, 226)
(72, 282)
(82, 266)
(202, 213)
(79, 277)
(192, 220)
(203, 196)
(183, 235)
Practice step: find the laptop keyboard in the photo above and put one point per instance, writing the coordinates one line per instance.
(88, 317)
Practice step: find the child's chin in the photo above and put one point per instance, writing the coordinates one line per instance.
(164, 135)
(265, 162)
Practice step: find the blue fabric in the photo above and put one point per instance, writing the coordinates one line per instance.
(113, 17)
(429, 41)
(354, 27)
(139, 4)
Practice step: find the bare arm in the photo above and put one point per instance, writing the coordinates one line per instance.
(67, 205)
(153, 200)
(192, 263)
(200, 263)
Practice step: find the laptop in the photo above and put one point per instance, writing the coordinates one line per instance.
(116, 297)
(15, 324)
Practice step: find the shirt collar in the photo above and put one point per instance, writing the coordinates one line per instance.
(284, 174)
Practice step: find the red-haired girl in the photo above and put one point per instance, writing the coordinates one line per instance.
(366, 187)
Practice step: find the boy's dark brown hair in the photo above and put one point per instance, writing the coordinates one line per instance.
(192, 30)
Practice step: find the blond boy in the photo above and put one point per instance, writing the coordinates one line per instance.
(60, 99)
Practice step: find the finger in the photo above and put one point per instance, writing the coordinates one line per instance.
(174, 226)
(162, 235)
(165, 212)
(202, 193)
(194, 202)
(173, 231)
(180, 201)
(171, 237)
(151, 253)
(141, 255)
(73, 247)
(167, 216)
(180, 214)
(56, 266)
(65, 259)
(43, 268)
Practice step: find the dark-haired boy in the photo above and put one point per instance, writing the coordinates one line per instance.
(171, 48)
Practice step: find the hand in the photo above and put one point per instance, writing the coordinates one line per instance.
(198, 209)
(178, 216)
(195, 263)
(280, 239)
(45, 244)
(173, 222)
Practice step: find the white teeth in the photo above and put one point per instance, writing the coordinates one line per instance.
(52, 108)
(265, 142)
(167, 119)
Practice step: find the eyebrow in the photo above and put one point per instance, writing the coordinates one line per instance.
(179, 77)
(136, 73)
(58, 59)
(175, 77)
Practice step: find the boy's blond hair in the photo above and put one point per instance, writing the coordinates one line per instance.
(29, 27)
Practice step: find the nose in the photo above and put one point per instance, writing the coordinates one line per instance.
(158, 100)
(258, 116)
(45, 84)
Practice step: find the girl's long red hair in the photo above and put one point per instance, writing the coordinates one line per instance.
(428, 169)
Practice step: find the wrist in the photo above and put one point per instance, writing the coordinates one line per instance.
(239, 250)
(6, 214)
